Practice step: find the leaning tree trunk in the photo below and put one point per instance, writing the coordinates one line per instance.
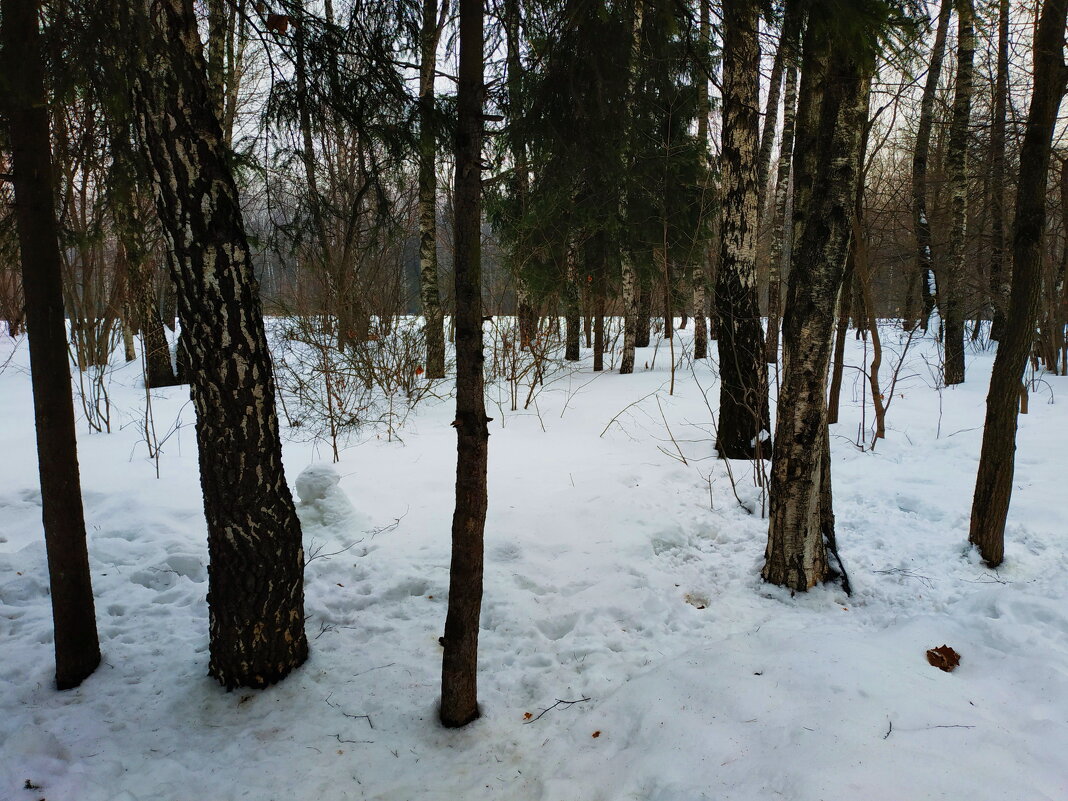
(796, 553)
(922, 275)
(434, 321)
(951, 290)
(70, 585)
(993, 486)
(459, 670)
(256, 572)
(743, 397)
(999, 285)
(780, 242)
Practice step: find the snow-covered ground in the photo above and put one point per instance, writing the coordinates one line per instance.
(622, 595)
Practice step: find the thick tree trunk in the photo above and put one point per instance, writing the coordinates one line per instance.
(999, 284)
(993, 486)
(459, 685)
(796, 552)
(780, 242)
(256, 572)
(70, 586)
(951, 285)
(921, 277)
(434, 321)
(743, 399)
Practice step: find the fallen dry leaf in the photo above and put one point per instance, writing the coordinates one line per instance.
(943, 658)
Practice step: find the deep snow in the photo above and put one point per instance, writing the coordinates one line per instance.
(616, 576)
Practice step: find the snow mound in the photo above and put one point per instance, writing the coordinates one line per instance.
(322, 501)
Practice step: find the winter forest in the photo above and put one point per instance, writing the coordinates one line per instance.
(533, 400)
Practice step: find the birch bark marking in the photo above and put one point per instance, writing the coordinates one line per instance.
(743, 399)
(700, 269)
(434, 323)
(921, 274)
(800, 480)
(629, 276)
(256, 570)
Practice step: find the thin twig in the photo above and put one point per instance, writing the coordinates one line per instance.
(559, 702)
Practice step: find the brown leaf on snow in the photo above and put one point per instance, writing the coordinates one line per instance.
(943, 658)
(596, 733)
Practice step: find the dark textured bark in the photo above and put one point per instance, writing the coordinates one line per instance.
(256, 572)
(743, 398)
(951, 280)
(572, 315)
(73, 615)
(993, 486)
(645, 311)
(796, 553)
(921, 278)
(459, 685)
(434, 321)
(999, 285)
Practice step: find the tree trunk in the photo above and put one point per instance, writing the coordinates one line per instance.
(951, 285)
(922, 273)
(256, 573)
(780, 242)
(645, 311)
(459, 694)
(704, 110)
(572, 313)
(796, 553)
(73, 614)
(999, 285)
(993, 486)
(629, 277)
(743, 399)
(434, 321)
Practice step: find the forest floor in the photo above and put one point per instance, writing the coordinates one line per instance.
(629, 649)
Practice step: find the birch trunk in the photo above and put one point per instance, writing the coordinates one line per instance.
(780, 242)
(999, 284)
(922, 273)
(256, 571)
(434, 321)
(743, 400)
(629, 277)
(800, 481)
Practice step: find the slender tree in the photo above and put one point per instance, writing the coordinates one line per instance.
(434, 324)
(459, 669)
(704, 111)
(951, 289)
(922, 273)
(993, 486)
(780, 245)
(26, 105)
(999, 285)
(256, 572)
(743, 398)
